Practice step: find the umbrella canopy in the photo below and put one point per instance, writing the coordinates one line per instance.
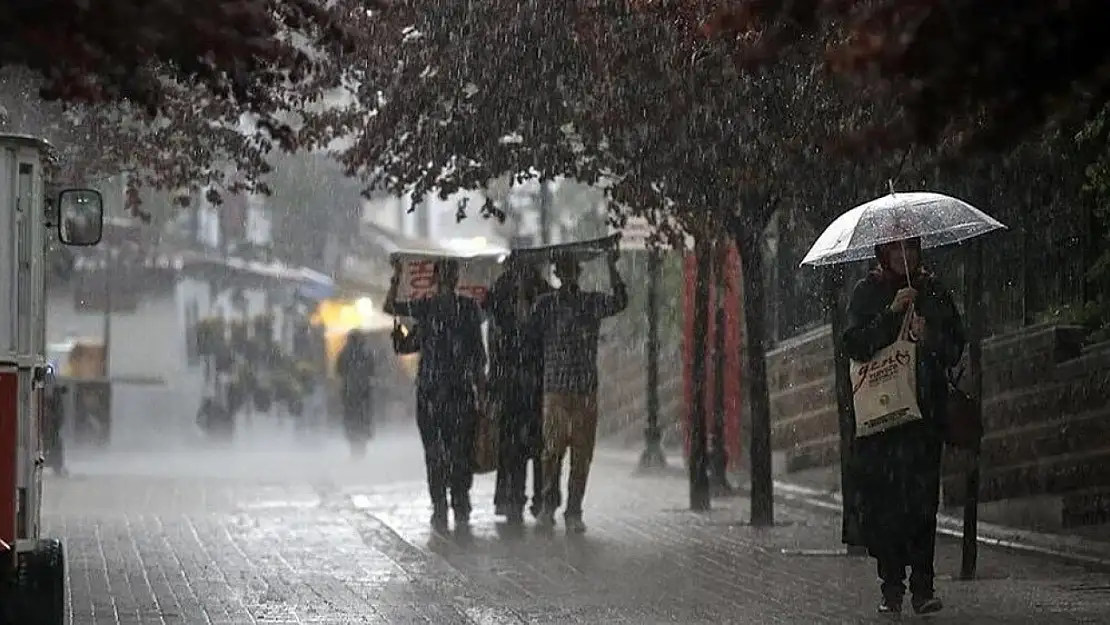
(580, 250)
(936, 219)
(314, 285)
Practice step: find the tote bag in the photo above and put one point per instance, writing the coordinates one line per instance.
(963, 424)
(487, 439)
(884, 389)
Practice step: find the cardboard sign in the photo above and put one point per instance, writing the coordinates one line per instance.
(476, 274)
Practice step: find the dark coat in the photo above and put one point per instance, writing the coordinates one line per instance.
(897, 472)
(355, 366)
(516, 367)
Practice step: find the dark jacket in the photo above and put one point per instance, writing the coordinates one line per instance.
(452, 352)
(897, 472)
(355, 366)
(516, 354)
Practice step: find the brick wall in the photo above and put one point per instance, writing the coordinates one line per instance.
(1046, 416)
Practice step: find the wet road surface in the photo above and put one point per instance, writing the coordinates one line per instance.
(267, 533)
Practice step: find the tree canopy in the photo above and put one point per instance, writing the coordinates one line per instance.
(969, 72)
(625, 94)
(175, 92)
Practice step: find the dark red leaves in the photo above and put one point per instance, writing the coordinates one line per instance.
(986, 71)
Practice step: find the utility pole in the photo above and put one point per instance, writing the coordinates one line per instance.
(423, 218)
(107, 321)
(545, 201)
(653, 457)
(974, 274)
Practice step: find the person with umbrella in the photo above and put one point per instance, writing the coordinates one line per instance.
(898, 470)
(517, 386)
(904, 333)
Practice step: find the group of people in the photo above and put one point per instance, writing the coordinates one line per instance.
(541, 384)
(543, 380)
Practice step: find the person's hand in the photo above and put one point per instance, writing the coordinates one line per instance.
(917, 326)
(903, 299)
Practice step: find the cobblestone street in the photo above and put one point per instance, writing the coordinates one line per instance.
(266, 536)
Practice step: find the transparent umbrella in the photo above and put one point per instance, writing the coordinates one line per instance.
(936, 219)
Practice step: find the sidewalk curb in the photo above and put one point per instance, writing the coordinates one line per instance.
(1071, 549)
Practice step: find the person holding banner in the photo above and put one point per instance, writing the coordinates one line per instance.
(517, 386)
(904, 333)
(568, 324)
(450, 382)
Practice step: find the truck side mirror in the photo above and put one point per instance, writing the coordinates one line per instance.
(80, 217)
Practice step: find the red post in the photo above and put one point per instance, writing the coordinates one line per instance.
(733, 382)
(9, 450)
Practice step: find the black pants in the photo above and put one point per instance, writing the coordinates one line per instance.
(512, 482)
(521, 444)
(917, 554)
(358, 421)
(447, 420)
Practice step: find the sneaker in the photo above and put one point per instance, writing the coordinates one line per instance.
(439, 522)
(890, 605)
(926, 605)
(545, 519)
(462, 518)
(575, 525)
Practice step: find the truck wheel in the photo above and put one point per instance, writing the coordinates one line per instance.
(42, 585)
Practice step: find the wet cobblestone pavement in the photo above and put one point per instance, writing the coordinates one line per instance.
(311, 537)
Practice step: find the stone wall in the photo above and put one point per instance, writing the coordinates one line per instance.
(1046, 416)
(803, 402)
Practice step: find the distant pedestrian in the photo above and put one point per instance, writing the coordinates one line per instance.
(450, 381)
(897, 471)
(516, 388)
(355, 366)
(54, 415)
(568, 324)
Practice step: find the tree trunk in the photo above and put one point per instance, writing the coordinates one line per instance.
(699, 461)
(755, 310)
(718, 453)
